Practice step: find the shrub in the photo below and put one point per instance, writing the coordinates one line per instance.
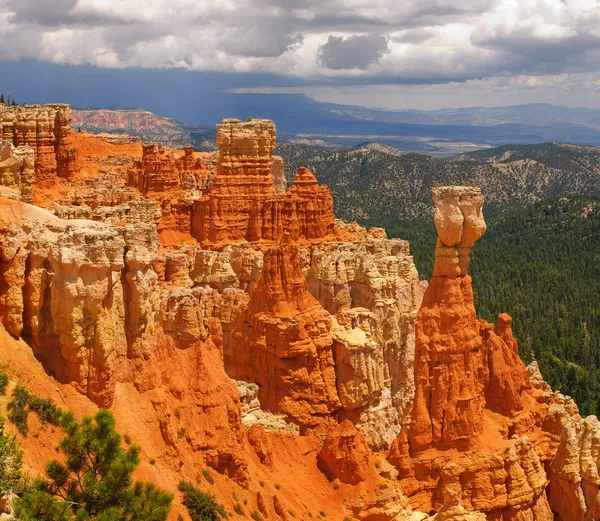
(261, 483)
(152, 461)
(277, 486)
(94, 480)
(181, 432)
(238, 509)
(208, 476)
(46, 410)
(127, 439)
(17, 409)
(256, 516)
(11, 460)
(201, 506)
(23, 402)
(3, 382)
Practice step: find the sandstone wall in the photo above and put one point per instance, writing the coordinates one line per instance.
(17, 171)
(46, 129)
(173, 183)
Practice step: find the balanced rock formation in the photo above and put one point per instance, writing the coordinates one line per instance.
(17, 170)
(488, 436)
(46, 129)
(242, 203)
(462, 365)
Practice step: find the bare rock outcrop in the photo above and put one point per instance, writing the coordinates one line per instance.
(17, 172)
(172, 182)
(245, 202)
(46, 129)
(345, 454)
(373, 290)
(462, 365)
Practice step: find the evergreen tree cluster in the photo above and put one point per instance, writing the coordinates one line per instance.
(541, 265)
(8, 101)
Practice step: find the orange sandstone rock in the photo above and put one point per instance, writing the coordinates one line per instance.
(462, 366)
(345, 454)
(242, 203)
(45, 128)
(283, 343)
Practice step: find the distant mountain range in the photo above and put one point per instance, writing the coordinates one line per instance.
(437, 132)
(378, 187)
(145, 125)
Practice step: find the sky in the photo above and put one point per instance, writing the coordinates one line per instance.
(423, 54)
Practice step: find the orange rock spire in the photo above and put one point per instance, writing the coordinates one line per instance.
(243, 205)
(462, 365)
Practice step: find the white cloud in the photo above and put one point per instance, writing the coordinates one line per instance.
(340, 41)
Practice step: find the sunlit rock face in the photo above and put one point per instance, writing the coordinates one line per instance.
(241, 315)
(247, 200)
(46, 129)
(17, 173)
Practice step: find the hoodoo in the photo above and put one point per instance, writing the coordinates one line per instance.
(245, 202)
(462, 366)
(46, 129)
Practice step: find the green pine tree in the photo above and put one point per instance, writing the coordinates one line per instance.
(11, 459)
(94, 482)
(1, 98)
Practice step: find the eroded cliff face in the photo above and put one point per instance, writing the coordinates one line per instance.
(236, 326)
(17, 172)
(46, 129)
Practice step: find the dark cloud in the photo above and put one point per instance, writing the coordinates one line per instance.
(262, 39)
(58, 13)
(354, 52)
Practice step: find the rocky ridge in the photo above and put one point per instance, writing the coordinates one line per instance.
(298, 340)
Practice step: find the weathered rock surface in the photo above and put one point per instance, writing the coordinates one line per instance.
(173, 182)
(462, 365)
(242, 204)
(372, 288)
(488, 437)
(17, 170)
(45, 128)
(345, 454)
(317, 322)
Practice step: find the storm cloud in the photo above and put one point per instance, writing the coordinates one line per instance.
(354, 52)
(326, 42)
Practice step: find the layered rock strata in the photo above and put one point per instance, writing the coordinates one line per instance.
(462, 365)
(173, 182)
(242, 203)
(17, 172)
(87, 298)
(46, 129)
